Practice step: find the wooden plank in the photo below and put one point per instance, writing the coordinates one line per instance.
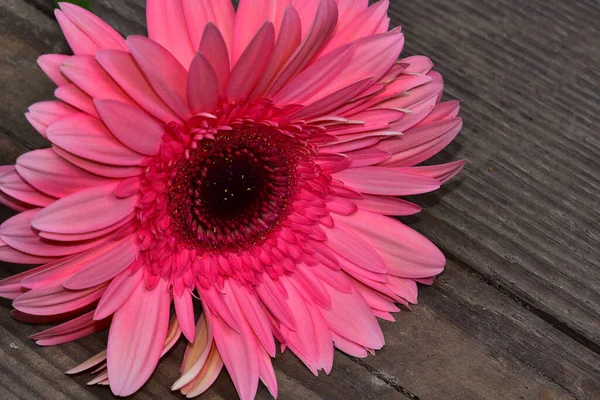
(524, 213)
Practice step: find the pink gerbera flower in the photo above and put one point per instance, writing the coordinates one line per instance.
(251, 160)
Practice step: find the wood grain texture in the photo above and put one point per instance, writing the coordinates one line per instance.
(517, 313)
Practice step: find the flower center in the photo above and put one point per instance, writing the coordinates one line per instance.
(229, 192)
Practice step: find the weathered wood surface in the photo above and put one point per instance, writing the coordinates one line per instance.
(516, 315)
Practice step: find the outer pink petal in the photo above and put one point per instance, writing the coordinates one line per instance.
(185, 314)
(252, 62)
(44, 113)
(218, 12)
(85, 211)
(87, 137)
(132, 126)
(407, 253)
(50, 64)
(168, 78)
(97, 30)
(72, 330)
(136, 339)
(167, 27)
(102, 269)
(79, 42)
(109, 171)
(118, 292)
(53, 300)
(86, 73)
(14, 186)
(52, 175)
(386, 181)
(214, 49)
(72, 95)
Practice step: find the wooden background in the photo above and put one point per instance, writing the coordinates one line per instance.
(516, 314)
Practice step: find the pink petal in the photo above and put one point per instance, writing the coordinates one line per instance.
(79, 42)
(386, 181)
(271, 298)
(44, 113)
(353, 248)
(387, 205)
(14, 186)
(214, 300)
(116, 259)
(167, 26)
(56, 300)
(314, 78)
(238, 351)
(168, 78)
(52, 175)
(349, 347)
(367, 157)
(406, 253)
(87, 137)
(132, 126)
(97, 30)
(75, 329)
(86, 73)
(50, 64)
(85, 211)
(203, 86)
(219, 13)
(250, 16)
(18, 234)
(72, 95)
(121, 66)
(255, 315)
(118, 292)
(320, 31)
(251, 64)
(442, 172)
(105, 170)
(351, 318)
(136, 339)
(214, 49)
(184, 309)
(288, 41)
(417, 65)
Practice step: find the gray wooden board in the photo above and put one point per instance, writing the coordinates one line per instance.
(516, 314)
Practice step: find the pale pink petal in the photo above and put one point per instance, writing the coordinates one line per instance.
(132, 126)
(87, 137)
(88, 364)
(85, 211)
(196, 353)
(168, 77)
(50, 174)
(136, 339)
(167, 26)
(207, 375)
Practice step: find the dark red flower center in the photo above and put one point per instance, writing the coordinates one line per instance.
(231, 191)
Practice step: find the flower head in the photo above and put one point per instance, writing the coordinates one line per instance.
(251, 160)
